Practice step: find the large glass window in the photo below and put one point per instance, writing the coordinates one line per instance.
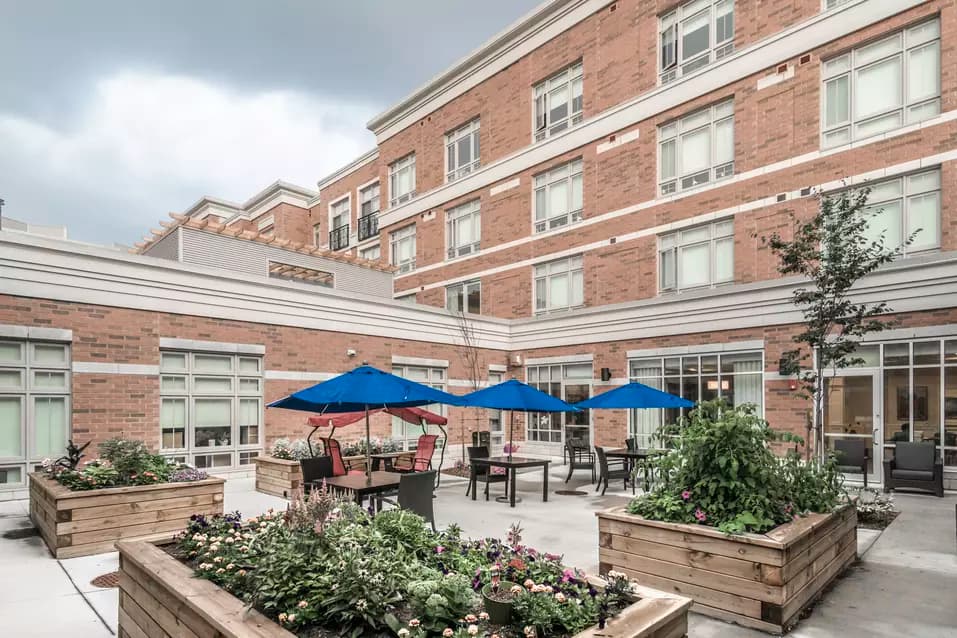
(34, 406)
(905, 205)
(696, 257)
(570, 382)
(402, 248)
(464, 297)
(697, 149)
(464, 229)
(339, 222)
(882, 86)
(402, 180)
(558, 102)
(559, 284)
(407, 433)
(736, 377)
(694, 35)
(368, 211)
(558, 196)
(462, 151)
(211, 407)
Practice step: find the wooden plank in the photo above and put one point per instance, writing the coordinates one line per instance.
(169, 619)
(837, 547)
(822, 546)
(118, 533)
(102, 511)
(723, 546)
(94, 498)
(127, 520)
(761, 540)
(140, 617)
(644, 619)
(128, 627)
(738, 619)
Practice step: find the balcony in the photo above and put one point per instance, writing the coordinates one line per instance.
(368, 226)
(339, 238)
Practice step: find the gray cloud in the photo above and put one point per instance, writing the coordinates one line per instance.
(114, 112)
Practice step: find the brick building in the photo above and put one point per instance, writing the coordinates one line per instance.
(589, 187)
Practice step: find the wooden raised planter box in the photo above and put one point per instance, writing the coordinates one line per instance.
(80, 523)
(283, 478)
(159, 596)
(761, 581)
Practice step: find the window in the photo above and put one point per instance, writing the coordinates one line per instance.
(558, 102)
(317, 235)
(407, 433)
(696, 257)
(462, 151)
(402, 180)
(496, 431)
(693, 36)
(34, 406)
(211, 407)
(906, 205)
(570, 383)
(372, 253)
(696, 149)
(558, 196)
(339, 220)
(882, 86)
(464, 229)
(559, 285)
(402, 246)
(736, 377)
(464, 297)
(368, 212)
(830, 4)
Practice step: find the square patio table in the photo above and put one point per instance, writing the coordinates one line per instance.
(376, 484)
(510, 463)
(631, 456)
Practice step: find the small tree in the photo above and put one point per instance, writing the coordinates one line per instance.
(833, 250)
(471, 358)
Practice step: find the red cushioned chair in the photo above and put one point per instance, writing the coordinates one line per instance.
(334, 452)
(423, 455)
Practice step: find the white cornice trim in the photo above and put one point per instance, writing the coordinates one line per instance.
(172, 343)
(530, 32)
(36, 333)
(755, 59)
(279, 192)
(98, 367)
(731, 346)
(420, 361)
(351, 167)
(568, 358)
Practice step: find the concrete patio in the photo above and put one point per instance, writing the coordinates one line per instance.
(905, 583)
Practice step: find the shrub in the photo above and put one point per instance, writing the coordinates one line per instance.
(874, 509)
(292, 450)
(721, 471)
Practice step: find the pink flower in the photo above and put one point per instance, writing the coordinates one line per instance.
(439, 549)
(686, 495)
(447, 632)
(567, 575)
(698, 514)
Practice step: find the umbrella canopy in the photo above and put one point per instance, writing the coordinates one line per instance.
(515, 395)
(634, 395)
(364, 388)
(415, 416)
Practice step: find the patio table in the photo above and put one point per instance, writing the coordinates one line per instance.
(375, 485)
(631, 456)
(511, 464)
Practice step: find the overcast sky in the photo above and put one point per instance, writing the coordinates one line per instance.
(115, 112)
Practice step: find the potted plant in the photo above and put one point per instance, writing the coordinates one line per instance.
(498, 597)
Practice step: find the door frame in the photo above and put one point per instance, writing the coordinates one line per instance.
(874, 477)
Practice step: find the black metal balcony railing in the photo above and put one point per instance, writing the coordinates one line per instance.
(339, 238)
(368, 226)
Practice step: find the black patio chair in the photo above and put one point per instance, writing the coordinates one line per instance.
(484, 472)
(314, 470)
(631, 443)
(415, 495)
(851, 456)
(916, 466)
(611, 470)
(579, 458)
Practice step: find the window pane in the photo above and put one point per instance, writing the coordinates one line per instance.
(878, 88)
(540, 294)
(212, 363)
(49, 354)
(927, 353)
(172, 384)
(886, 220)
(577, 288)
(558, 199)
(878, 50)
(724, 141)
(923, 72)
(923, 213)
(44, 379)
(896, 354)
(173, 423)
(668, 269)
(212, 384)
(694, 269)
(694, 35)
(558, 291)
(837, 101)
(695, 151)
(49, 426)
(11, 379)
(249, 385)
(577, 196)
(11, 418)
(11, 475)
(724, 260)
(11, 352)
(668, 160)
(213, 411)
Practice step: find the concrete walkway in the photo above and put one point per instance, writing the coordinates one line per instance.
(905, 584)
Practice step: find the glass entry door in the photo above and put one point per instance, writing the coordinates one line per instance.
(852, 411)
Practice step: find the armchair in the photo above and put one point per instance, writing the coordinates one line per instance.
(915, 465)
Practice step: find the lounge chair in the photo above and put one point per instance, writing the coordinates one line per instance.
(915, 465)
(422, 461)
(334, 452)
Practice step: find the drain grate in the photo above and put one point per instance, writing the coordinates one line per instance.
(106, 581)
(17, 534)
(571, 493)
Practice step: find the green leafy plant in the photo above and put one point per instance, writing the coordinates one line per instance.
(439, 601)
(874, 508)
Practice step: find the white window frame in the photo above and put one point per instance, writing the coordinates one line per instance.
(910, 187)
(406, 163)
(572, 268)
(670, 245)
(189, 394)
(434, 377)
(846, 68)
(827, 5)
(406, 233)
(454, 169)
(364, 253)
(338, 208)
(713, 118)
(568, 173)
(317, 235)
(369, 194)
(671, 30)
(539, 423)
(460, 293)
(570, 77)
(468, 213)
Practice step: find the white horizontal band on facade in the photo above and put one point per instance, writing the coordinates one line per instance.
(505, 186)
(36, 333)
(731, 346)
(419, 361)
(497, 367)
(724, 213)
(99, 367)
(624, 138)
(295, 375)
(755, 59)
(171, 343)
(920, 332)
(613, 382)
(569, 358)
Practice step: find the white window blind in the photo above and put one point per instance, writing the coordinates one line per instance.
(693, 36)
(905, 205)
(696, 149)
(464, 229)
(559, 285)
(402, 180)
(559, 196)
(696, 257)
(402, 248)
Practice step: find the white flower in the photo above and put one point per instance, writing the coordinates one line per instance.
(472, 630)
(403, 632)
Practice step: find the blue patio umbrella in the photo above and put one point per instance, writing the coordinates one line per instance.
(362, 389)
(514, 395)
(634, 395)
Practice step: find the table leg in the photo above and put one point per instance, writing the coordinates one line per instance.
(511, 480)
(388, 464)
(375, 465)
(472, 480)
(545, 486)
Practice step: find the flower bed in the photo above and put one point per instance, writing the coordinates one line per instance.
(328, 568)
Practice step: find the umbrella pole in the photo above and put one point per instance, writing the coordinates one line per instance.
(445, 442)
(511, 433)
(368, 453)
